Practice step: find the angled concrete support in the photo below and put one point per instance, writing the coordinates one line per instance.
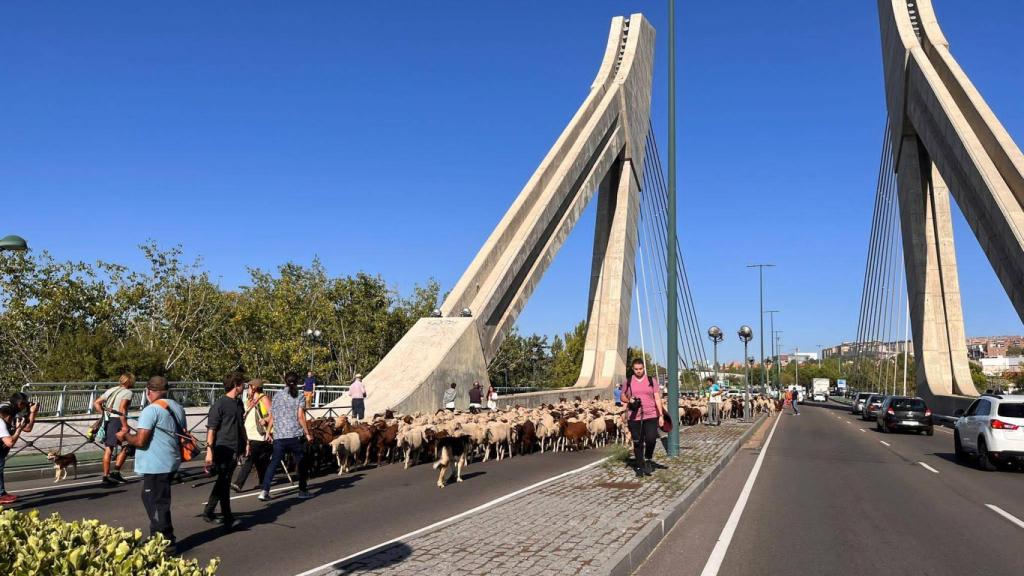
(945, 133)
(603, 147)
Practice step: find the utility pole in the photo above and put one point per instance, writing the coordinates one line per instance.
(672, 298)
(760, 272)
(771, 343)
(819, 355)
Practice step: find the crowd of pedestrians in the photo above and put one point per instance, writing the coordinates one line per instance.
(476, 396)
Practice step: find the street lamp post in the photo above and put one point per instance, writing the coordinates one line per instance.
(715, 333)
(746, 334)
(314, 338)
(760, 273)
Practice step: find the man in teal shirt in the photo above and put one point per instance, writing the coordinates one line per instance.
(157, 454)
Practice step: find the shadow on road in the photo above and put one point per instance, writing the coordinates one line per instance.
(970, 463)
(267, 515)
(375, 559)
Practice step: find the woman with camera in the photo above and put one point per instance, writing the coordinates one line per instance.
(644, 414)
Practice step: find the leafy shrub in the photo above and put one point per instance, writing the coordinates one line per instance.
(32, 546)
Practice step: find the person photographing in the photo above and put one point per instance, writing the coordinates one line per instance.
(644, 416)
(13, 423)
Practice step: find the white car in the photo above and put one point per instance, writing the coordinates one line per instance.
(992, 429)
(819, 397)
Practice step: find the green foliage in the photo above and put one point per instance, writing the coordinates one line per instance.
(33, 546)
(63, 321)
(530, 361)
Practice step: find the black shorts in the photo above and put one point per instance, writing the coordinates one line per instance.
(113, 427)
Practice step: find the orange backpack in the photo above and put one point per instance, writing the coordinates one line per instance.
(187, 442)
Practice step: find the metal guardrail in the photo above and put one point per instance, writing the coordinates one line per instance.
(58, 433)
(64, 399)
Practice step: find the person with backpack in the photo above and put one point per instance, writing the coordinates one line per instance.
(157, 455)
(644, 416)
(113, 406)
(225, 440)
(257, 433)
(288, 417)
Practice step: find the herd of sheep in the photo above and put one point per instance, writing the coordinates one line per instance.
(457, 438)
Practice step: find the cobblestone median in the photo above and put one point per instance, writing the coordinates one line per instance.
(571, 526)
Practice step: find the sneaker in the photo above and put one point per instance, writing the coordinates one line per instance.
(107, 482)
(648, 468)
(209, 518)
(264, 496)
(116, 477)
(304, 495)
(236, 487)
(7, 499)
(639, 471)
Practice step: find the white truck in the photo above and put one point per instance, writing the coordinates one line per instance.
(819, 389)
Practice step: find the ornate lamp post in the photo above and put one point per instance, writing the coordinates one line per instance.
(314, 338)
(715, 333)
(746, 334)
(12, 242)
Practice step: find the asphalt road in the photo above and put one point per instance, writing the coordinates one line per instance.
(832, 498)
(286, 535)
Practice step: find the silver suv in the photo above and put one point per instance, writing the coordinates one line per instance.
(992, 429)
(858, 402)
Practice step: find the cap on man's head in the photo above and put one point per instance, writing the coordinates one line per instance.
(358, 376)
(157, 384)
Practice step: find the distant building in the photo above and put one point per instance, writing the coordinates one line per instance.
(999, 366)
(993, 346)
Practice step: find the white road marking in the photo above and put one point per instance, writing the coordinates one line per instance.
(479, 508)
(929, 468)
(863, 430)
(257, 493)
(884, 442)
(714, 563)
(944, 430)
(60, 485)
(1006, 515)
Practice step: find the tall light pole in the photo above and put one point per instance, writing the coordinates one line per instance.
(760, 274)
(672, 298)
(772, 314)
(819, 355)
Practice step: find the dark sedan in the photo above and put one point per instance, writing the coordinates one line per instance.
(871, 406)
(904, 413)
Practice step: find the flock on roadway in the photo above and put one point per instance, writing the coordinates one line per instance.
(455, 439)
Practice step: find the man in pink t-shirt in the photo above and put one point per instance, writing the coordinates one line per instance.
(644, 415)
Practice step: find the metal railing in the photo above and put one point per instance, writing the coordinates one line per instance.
(65, 399)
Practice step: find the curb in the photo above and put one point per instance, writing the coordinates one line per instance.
(629, 558)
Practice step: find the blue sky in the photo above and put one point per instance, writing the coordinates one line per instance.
(391, 138)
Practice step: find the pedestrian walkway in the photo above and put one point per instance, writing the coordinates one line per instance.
(573, 525)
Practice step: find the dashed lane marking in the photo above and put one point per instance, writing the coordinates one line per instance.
(863, 430)
(1007, 515)
(929, 468)
(884, 442)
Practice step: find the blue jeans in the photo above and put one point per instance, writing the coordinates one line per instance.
(297, 447)
(3, 462)
(359, 408)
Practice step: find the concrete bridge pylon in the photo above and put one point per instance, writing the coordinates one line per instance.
(946, 140)
(600, 151)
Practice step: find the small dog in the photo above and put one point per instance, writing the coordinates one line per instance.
(452, 448)
(61, 462)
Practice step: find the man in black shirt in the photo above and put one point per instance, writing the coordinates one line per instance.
(225, 439)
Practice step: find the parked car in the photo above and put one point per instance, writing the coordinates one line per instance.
(904, 413)
(819, 397)
(992, 429)
(871, 406)
(858, 402)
